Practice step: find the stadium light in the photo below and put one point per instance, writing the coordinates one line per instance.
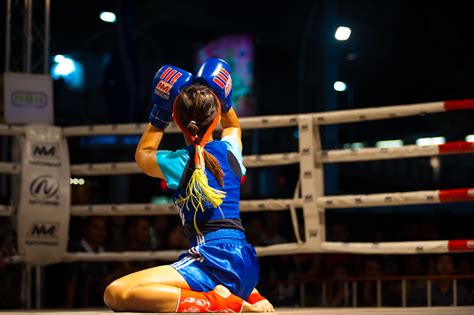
(340, 86)
(342, 33)
(108, 17)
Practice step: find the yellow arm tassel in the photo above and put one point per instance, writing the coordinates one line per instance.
(198, 192)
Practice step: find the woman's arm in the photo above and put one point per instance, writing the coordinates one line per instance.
(231, 126)
(145, 154)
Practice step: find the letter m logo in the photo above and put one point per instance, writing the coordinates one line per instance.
(43, 229)
(44, 150)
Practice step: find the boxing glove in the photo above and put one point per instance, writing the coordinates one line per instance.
(215, 73)
(168, 82)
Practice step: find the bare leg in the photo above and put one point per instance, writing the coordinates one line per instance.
(151, 290)
(155, 290)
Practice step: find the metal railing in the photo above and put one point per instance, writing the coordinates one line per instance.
(320, 290)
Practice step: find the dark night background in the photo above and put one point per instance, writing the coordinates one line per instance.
(399, 52)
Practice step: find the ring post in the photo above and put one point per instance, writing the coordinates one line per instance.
(312, 182)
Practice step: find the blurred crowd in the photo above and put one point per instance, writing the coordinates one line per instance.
(287, 280)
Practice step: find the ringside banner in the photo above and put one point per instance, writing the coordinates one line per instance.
(44, 203)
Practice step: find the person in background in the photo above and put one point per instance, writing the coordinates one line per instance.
(442, 290)
(10, 275)
(85, 281)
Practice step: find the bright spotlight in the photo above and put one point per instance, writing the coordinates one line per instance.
(58, 58)
(108, 17)
(64, 66)
(430, 141)
(68, 69)
(340, 86)
(342, 33)
(389, 143)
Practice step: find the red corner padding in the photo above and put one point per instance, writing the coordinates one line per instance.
(461, 245)
(458, 105)
(456, 146)
(461, 194)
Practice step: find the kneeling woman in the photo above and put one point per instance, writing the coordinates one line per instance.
(220, 271)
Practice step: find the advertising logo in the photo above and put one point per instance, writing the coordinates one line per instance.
(29, 99)
(43, 188)
(45, 150)
(43, 229)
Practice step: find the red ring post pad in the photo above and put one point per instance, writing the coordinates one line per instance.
(456, 147)
(460, 194)
(461, 245)
(459, 104)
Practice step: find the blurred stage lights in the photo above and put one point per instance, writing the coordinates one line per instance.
(430, 141)
(108, 17)
(340, 86)
(77, 181)
(68, 69)
(342, 33)
(64, 65)
(389, 143)
(470, 138)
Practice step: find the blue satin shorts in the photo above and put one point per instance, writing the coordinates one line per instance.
(220, 257)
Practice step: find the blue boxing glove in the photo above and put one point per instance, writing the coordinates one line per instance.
(215, 73)
(167, 84)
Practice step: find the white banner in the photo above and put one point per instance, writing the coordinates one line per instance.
(44, 203)
(27, 98)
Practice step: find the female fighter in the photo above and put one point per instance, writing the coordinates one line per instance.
(220, 271)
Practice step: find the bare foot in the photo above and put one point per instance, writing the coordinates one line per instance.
(265, 305)
(249, 308)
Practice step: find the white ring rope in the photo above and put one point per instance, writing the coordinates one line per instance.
(329, 156)
(261, 122)
(389, 112)
(118, 168)
(6, 211)
(11, 130)
(416, 247)
(168, 209)
(397, 199)
(277, 249)
(327, 202)
(407, 151)
(9, 168)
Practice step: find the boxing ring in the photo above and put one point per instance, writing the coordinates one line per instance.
(308, 193)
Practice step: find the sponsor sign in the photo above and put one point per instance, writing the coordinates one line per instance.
(27, 98)
(44, 196)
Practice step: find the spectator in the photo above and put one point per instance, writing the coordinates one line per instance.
(254, 230)
(465, 269)
(116, 233)
(10, 275)
(272, 226)
(338, 293)
(137, 238)
(176, 238)
(138, 235)
(442, 290)
(160, 229)
(416, 289)
(368, 290)
(86, 281)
